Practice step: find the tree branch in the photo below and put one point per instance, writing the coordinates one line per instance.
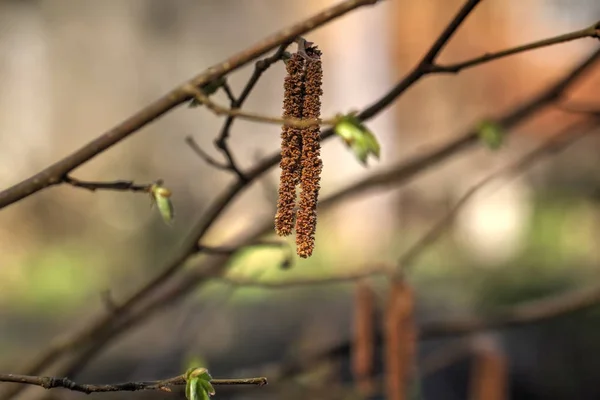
(50, 383)
(527, 313)
(204, 155)
(114, 185)
(345, 277)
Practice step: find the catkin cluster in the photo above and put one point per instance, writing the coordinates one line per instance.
(301, 151)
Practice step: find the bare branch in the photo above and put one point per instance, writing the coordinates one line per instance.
(526, 313)
(448, 32)
(346, 277)
(114, 185)
(204, 155)
(260, 68)
(559, 142)
(50, 383)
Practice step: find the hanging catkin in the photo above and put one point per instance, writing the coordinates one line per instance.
(291, 143)
(300, 151)
(306, 220)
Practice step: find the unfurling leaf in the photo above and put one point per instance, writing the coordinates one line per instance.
(357, 137)
(491, 134)
(208, 89)
(162, 197)
(197, 384)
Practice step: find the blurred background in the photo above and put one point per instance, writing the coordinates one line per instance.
(71, 69)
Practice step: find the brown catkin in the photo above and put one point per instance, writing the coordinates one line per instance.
(291, 146)
(306, 219)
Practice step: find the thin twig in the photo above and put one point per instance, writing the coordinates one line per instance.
(221, 142)
(229, 93)
(230, 250)
(345, 277)
(579, 108)
(260, 68)
(204, 155)
(51, 383)
(256, 117)
(114, 185)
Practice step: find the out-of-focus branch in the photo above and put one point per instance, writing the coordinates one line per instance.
(559, 142)
(260, 67)
(345, 277)
(579, 108)
(55, 173)
(527, 313)
(50, 383)
(204, 155)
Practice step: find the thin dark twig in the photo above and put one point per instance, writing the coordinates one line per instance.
(447, 34)
(114, 185)
(260, 68)
(221, 141)
(230, 250)
(229, 93)
(204, 155)
(50, 383)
